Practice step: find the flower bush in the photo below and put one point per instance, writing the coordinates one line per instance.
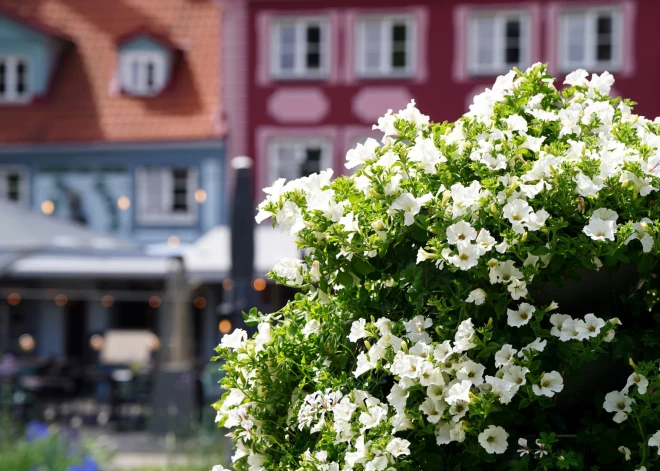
(420, 338)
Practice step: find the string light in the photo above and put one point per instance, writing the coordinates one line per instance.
(155, 301)
(228, 284)
(123, 203)
(26, 342)
(61, 300)
(96, 341)
(47, 207)
(153, 342)
(200, 196)
(173, 241)
(224, 326)
(199, 302)
(259, 284)
(14, 299)
(108, 300)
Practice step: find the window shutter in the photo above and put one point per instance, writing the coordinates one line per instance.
(484, 34)
(575, 34)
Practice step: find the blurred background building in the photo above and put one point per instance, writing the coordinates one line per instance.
(119, 120)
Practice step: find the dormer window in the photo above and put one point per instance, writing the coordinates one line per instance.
(145, 64)
(15, 79)
(142, 73)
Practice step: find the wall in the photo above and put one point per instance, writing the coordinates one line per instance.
(442, 90)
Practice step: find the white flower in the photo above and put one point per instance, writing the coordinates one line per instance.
(315, 271)
(577, 78)
(639, 380)
(427, 154)
(416, 329)
(625, 451)
(504, 355)
(413, 115)
(364, 364)
(459, 232)
(557, 321)
(450, 432)
(471, 371)
(349, 223)
(590, 327)
(618, 402)
(458, 410)
(358, 330)
(504, 272)
(235, 340)
(263, 337)
(484, 241)
(219, 467)
(291, 269)
(515, 374)
(386, 125)
(311, 327)
(463, 340)
(598, 229)
(410, 206)
(517, 288)
(642, 234)
(655, 441)
(467, 256)
(465, 197)
(524, 449)
(289, 218)
(477, 296)
(537, 345)
(397, 397)
(398, 447)
(459, 392)
(600, 83)
(517, 212)
(432, 409)
(502, 388)
(516, 122)
(550, 384)
(362, 153)
(520, 317)
(493, 439)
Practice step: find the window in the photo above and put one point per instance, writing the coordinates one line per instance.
(142, 73)
(497, 42)
(14, 185)
(300, 48)
(590, 39)
(291, 159)
(385, 46)
(14, 79)
(166, 195)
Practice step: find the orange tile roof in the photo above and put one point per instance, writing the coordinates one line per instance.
(83, 102)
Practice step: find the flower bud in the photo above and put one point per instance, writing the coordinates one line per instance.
(367, 344)
(551, 307)
(524, 236)
(404, 347)
(644, 225)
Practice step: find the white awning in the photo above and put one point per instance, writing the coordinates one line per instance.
(207, 260)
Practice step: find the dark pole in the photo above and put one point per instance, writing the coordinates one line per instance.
(242, 240)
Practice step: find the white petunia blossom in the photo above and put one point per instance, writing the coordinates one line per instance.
(409, 205)
(655, 441)
(550, 384)
(618, 402)
(477, 296)
(291, 269)
(520, 317)
(398, 447)
(638, 380)
(461, 231)
(493, 439)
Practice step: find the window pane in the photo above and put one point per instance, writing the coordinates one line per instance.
(287, 165)
(575, 37)
(399, 34)
(135, 74)
(312, 162)
(21, 76)
(180, 189)
(604, 38)
(153, 190)
(372, 45)
(313, 58)
(13, 186)
(3, 77)
(151, 82)
(485, 40)
(287, 46)
(512, 52)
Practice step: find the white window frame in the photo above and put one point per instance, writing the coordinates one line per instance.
(11, 95)
(386, 70)
(300, 70)
(499, 65)
(300, 144)
(590, 61)
(127, 58)
(24, 183)
(166, 216)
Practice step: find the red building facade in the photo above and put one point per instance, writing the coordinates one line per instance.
(305, 80)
